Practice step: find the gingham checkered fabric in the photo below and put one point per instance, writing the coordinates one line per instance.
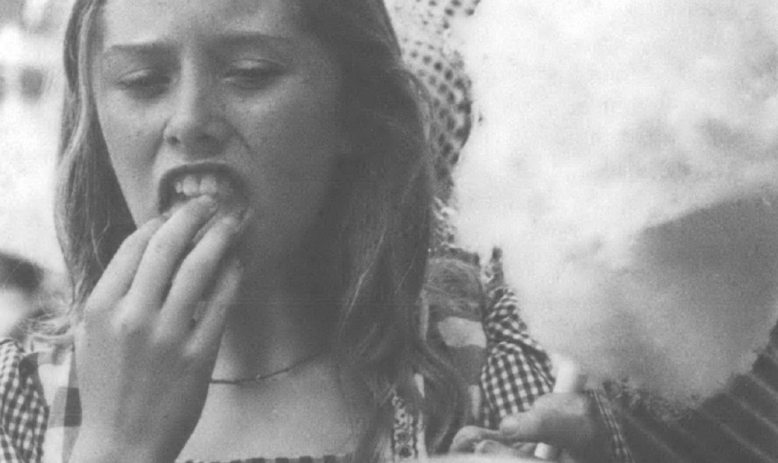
(23, 412)
(40, 412)
(518, 371)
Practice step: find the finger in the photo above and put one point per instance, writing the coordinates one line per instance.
(118, 276)
(468, 437)
(526, 448)
(208, 330)
(494, 448)
(565, 420)
(197, 272)
(167, 247)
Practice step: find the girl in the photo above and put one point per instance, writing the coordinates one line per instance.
(245, 209)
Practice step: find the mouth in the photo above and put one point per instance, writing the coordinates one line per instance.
(182, 184)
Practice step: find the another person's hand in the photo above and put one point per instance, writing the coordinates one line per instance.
(569, 421)
(150, 335)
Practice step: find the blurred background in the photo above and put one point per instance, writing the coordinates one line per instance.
(31, 265)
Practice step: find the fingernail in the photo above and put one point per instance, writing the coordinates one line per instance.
(487, 446)
(242, 219)
(245, 216)
(232, 221)
(207, 201)
(509, 426)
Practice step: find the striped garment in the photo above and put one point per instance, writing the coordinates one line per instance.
(737, 426)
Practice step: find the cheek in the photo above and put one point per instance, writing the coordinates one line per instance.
(131, 147)
(299, 140)
(295, 151)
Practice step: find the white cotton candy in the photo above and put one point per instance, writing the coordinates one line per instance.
(626, 161)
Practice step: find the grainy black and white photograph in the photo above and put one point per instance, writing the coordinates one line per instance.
(374, 231)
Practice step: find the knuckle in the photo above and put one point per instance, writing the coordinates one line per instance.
(195, 263)
(191, 353)
(128, 324)
(580, 405)
(162, 245)
(194, 356)
(165, 340)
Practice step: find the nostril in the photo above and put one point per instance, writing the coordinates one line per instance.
(196, 135)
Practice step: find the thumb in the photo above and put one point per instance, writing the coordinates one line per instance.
(560, 419)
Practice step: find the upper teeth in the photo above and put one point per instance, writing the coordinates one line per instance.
(203, 184)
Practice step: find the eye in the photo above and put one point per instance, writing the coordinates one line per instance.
(145, 83)
(252, 74)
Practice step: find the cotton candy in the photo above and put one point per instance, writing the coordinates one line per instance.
(625, 158)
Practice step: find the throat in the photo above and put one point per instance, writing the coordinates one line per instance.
(308, 412)
(273, 336)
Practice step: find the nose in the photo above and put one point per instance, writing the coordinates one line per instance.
(196, 126)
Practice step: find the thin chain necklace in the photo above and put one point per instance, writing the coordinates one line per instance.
(263, 377)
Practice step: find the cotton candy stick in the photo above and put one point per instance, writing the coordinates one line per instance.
(569, 378)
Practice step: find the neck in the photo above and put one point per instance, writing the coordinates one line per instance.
(284, 313)
(271, 327)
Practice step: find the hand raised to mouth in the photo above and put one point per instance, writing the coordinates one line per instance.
(143, 367)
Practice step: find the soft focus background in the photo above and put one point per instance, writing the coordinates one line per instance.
(30, 93)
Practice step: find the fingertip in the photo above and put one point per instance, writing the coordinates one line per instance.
(510, 426)
(465, 439)
(239, 221)
(207, 202)
(155, 222)
(201, 208)
(497, 449)
(487, 447)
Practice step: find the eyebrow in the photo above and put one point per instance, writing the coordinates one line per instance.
(234, 39)
(148, 48)
(237, 38)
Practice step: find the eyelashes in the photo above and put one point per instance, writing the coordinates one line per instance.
(149, 83)
(252, 74)
(145, 83)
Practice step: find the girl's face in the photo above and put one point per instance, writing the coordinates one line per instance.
(231, 98)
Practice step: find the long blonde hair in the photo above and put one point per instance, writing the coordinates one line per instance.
(381, 206)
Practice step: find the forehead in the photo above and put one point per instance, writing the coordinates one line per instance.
(141, 20)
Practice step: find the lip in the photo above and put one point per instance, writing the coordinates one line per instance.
(165, 185)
